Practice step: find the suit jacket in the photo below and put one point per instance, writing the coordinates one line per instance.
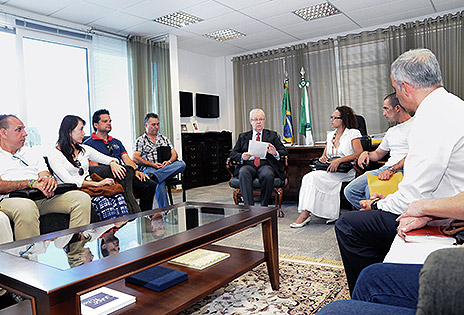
(267, 136)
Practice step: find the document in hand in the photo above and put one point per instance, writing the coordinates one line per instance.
(385, 187)
(257, 148)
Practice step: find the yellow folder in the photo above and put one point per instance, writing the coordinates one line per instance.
(385, 187)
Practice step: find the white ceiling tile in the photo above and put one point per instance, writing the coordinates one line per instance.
(350, 5)
(41, 7)
(118, 21)
(218, 50)
(321, 24)
(224, 21)
(259, 37)
(240, 4)
(82, 12)
(115, 4)
(252, 27)
(150, 9)
(453, 5)
(149, 29)
(208, 10)
(285, 19)
(390, 18)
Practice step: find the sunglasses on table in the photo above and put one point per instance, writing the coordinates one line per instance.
(79, 165)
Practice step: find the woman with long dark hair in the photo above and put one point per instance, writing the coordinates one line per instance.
(70, 164)
(320, 190)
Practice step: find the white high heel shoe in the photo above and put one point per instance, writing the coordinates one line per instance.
(300, 225)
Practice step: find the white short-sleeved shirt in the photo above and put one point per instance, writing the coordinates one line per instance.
(25, 164)
(396, 142)
(345, 147)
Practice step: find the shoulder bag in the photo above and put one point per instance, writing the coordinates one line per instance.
(107, 191)
(344, 167)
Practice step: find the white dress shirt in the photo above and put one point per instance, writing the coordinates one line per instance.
(433, 166)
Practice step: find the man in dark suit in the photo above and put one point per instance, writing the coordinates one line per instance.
(265, 169)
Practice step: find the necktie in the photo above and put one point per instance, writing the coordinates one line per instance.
(257, 159)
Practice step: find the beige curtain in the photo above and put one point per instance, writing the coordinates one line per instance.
(364, 69)
(150, 81)
(259, 78)
(443, 36)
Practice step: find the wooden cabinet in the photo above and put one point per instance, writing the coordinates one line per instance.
(298, 166)
(205, 155)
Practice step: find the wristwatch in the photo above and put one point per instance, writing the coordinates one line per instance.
(391, 168)
(374, 204)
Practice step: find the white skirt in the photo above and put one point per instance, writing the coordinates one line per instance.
(320, 193)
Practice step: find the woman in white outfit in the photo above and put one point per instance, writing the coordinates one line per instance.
(320, 190)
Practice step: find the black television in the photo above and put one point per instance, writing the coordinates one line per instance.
(186, 104)
(207, 106)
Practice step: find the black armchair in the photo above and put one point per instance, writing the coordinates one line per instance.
(279, 184)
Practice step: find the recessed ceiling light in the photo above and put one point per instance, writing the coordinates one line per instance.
(317, 11)
(178, 19)
(224, 34)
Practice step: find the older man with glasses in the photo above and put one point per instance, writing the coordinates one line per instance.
(22, 167)
(251, 167)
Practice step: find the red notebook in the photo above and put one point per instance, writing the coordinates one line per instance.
(429, 234)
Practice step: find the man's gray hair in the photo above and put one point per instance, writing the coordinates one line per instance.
(417, 67)
(4, 121)
(256, 111)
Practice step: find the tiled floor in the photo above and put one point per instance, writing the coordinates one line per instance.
(315, 240)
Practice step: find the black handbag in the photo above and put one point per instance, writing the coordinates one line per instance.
(35, 194)
(344, 167)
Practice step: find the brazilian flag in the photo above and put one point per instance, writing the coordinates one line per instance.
(287, 115)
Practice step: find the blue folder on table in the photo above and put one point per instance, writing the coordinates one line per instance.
(158, 278)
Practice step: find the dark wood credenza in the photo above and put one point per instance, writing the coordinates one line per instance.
(205, 155)
(298, 166)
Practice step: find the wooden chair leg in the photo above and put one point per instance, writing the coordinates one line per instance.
(236, 193)
(279, 196)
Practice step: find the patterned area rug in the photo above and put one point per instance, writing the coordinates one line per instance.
(306, 285)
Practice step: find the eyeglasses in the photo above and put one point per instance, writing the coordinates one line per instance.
(335, 117)
(79, 165)
(110, 148)
(258, 119)
(18, 158)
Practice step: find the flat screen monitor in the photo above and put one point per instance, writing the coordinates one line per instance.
(186, 104)
(207, 106)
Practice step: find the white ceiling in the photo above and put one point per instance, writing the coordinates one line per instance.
(266, 23)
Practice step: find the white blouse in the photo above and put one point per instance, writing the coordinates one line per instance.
(344, 147)
(65, 172)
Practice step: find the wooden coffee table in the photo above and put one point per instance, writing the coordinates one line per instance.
(150, 238)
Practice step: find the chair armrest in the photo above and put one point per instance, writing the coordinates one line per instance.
(230, 165)
(284, 161)
(440, 283)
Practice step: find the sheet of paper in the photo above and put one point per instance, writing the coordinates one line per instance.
(411, 253)
(257, 148)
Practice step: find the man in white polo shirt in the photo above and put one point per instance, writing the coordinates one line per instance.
(395, 142)
(22, 167)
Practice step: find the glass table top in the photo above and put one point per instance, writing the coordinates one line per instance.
(76, 249)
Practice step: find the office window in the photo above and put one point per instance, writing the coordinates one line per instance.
(56, 84)
(9, 89)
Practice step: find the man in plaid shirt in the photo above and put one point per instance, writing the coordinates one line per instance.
(146, 156)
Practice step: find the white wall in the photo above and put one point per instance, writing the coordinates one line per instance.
(204, 74)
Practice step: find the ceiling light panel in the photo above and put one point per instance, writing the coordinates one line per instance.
(224, 34)
(178, 19)
(317, 11)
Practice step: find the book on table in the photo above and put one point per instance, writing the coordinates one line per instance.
(104, 301)
(200, 259)
(158, 278)
(429, 234)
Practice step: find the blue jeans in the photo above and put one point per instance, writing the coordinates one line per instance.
(358, 189)
(391, 284)
(381, 289)
(160, 175)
